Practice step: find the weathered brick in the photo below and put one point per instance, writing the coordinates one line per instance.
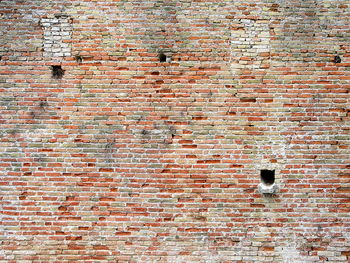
(149, 147)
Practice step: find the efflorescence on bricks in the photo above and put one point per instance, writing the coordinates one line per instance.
(174, 131)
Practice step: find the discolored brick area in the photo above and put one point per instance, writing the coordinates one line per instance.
(175, 131)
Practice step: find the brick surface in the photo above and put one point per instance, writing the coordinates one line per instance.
(125, 158)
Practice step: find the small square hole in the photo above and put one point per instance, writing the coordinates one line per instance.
(79, 59)
(337, 59)
(162, 57)
(57, 72)
(267, 177)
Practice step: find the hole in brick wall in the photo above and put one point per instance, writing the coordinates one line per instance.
(57, 72)
(337, 59)
(43, 104)
(267, 177)
(61, 15)
(79, 59)
(162, 57)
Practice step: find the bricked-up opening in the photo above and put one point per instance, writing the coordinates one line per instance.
(337, 59)
(267, 177)
(57, 72)
(162, 57)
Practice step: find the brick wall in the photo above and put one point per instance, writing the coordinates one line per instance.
(136, 131)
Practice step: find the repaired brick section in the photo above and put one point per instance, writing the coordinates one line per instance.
(57, 35)
(129, 159)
